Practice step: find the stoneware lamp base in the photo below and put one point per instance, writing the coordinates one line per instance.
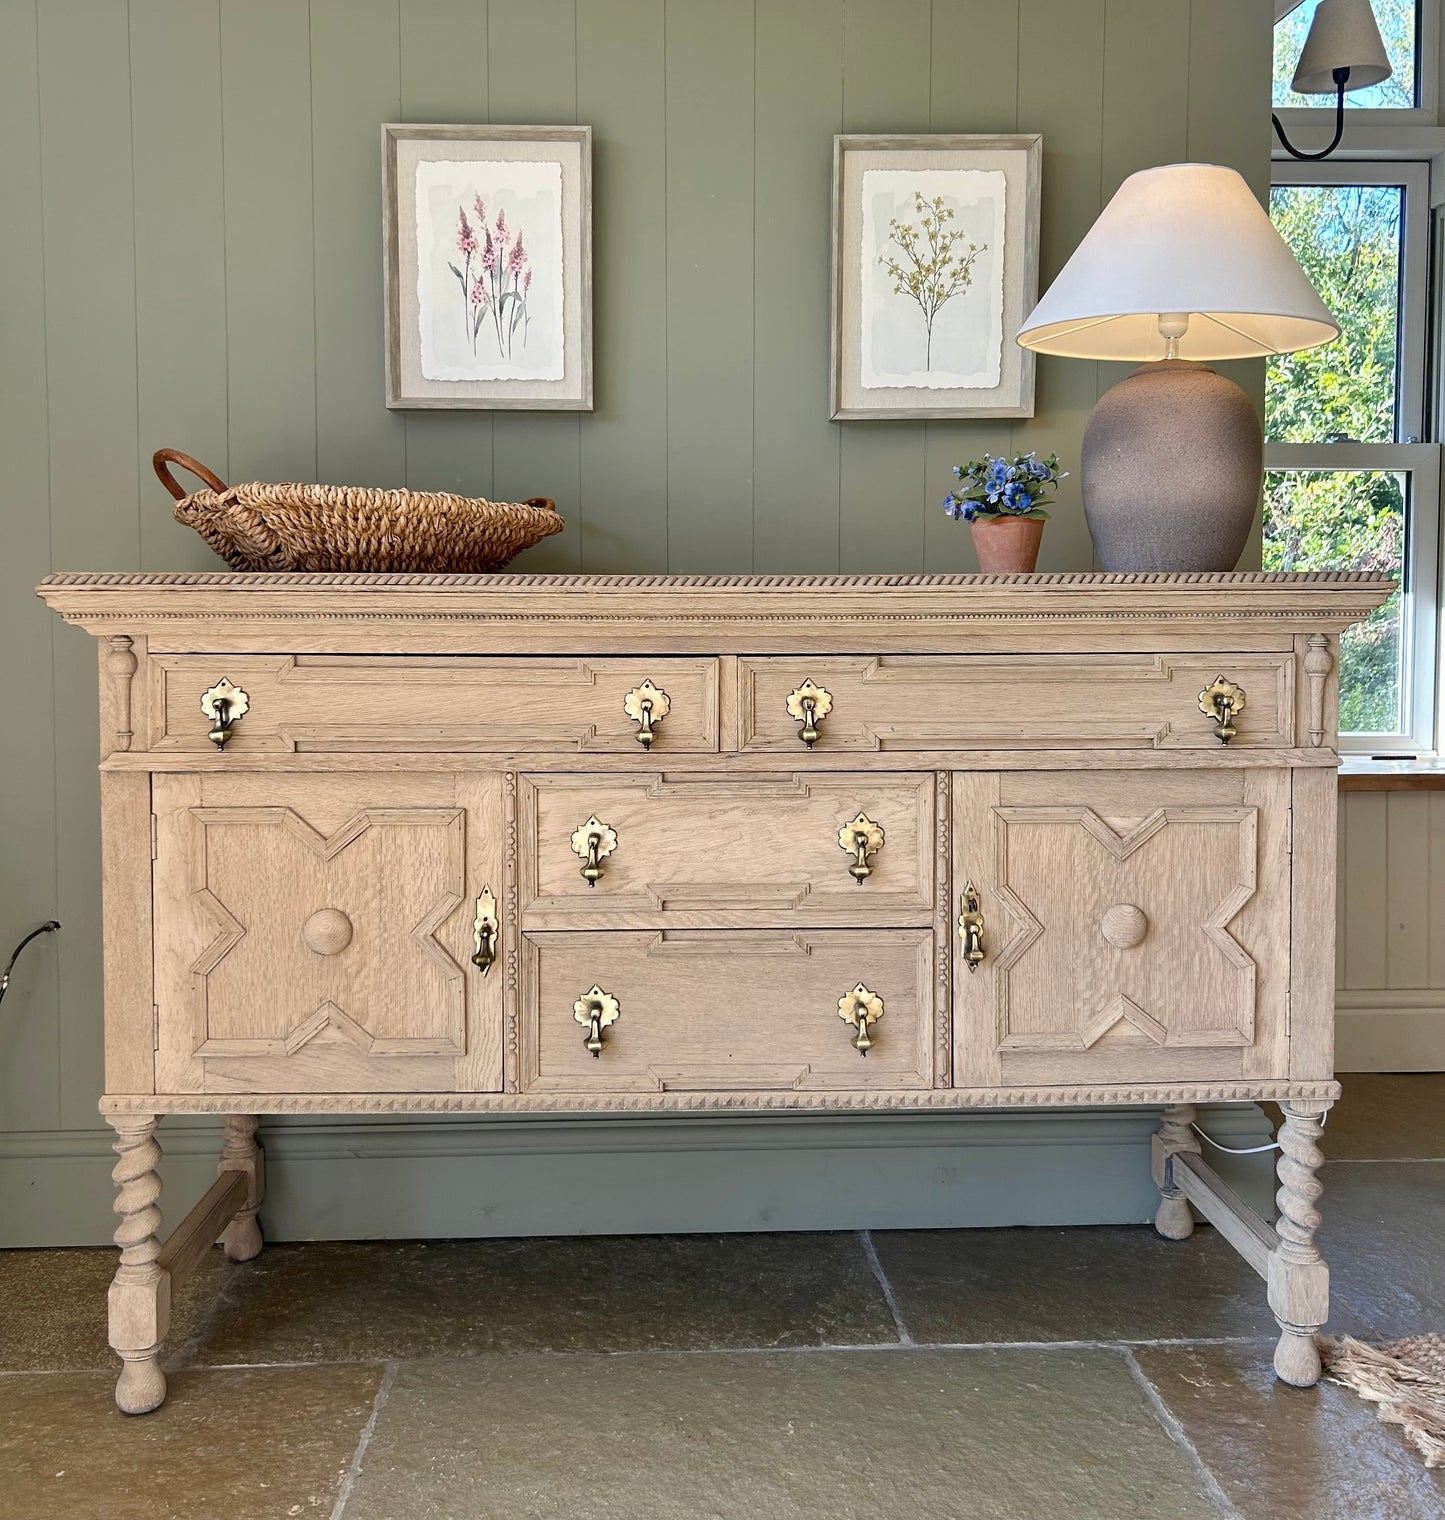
(1171, 467)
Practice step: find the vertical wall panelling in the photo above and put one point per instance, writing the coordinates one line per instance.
(975, 86)
(886, 80)
(1146, 83)
(29, 1054)
(799, 82)
(1069, 111)
(1232, 35)
(270, 266)
(90, 319)
(532, 81)
(1365, 932)
(180, 259)
(621, 94)
(710, 280)
(444, 79)
(355, 84)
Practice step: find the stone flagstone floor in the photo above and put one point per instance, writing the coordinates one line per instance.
(998, 1374)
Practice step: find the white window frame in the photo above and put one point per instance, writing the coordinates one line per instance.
(1419, 462)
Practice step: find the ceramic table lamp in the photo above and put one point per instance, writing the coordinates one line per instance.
(1182, 266)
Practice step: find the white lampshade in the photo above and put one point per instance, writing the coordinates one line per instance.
(1343, 35)
(1182, 240)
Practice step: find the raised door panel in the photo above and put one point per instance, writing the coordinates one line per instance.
(726, 1011)
(1134, 927)
(440, 703)
(315, 933)
(1042, 701)
(695, 851)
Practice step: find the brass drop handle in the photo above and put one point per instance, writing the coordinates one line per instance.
(970, 927)
(484, 932)
(225, 705)
(647, 705)
(593, 841)
(860, 1008)
(860, 839)
(595, 1010)
(1223, 702)
(809, 705)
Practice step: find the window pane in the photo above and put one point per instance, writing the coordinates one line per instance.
(1348, 520)
(1347, 238)
(1398, 28)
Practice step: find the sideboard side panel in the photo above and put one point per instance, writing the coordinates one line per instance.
(125, 863)
(1313, 867)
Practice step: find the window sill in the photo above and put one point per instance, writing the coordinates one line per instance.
(1359, 774)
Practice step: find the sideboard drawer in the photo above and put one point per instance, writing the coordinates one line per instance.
(726, 1011)
(962, 702)
(435, 703)
(700, 851)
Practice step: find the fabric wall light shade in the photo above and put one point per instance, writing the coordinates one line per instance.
(1343, 35)
(1180, 240)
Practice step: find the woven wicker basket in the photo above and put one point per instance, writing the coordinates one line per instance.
(305, 527)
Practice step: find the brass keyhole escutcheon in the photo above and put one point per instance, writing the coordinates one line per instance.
(647, 705)
(225, 705)
(809, 705)
(595, 1010)
(860, 1008)
(860, 839)
(1223, 702)
(970, 927)
(593, 841)
(484, 932)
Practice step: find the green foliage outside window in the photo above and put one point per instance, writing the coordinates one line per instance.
(1347, 238)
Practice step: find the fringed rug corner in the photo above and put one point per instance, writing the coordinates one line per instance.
(1405, 1378)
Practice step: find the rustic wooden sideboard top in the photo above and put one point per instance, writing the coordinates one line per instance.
(716, 614)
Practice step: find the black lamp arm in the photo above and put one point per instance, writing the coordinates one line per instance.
(1341, 78)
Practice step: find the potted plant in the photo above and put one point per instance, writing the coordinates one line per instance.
(1003, 503)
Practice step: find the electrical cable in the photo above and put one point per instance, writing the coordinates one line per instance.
(45, 928)
(1243, 1150)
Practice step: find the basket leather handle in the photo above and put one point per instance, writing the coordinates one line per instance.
(164, 457)
(545, 502)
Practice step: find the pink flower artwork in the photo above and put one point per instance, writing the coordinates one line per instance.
(501, 288)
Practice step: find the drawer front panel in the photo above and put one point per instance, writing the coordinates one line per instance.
(1134, 927)
(720, 1011)
(728, 852)
(334, 703)
(315, 933)
(943, 702)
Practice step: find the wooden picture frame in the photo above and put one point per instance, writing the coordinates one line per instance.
(935, 266)
(487, 256)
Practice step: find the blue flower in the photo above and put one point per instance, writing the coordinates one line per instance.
(1037, 470)
(1016, 498)
(970, 511)
(951, 506)
(958, 472)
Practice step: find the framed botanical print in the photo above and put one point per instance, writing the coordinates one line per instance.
(935, 267)
(487, 245)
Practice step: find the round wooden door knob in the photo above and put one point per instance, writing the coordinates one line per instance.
(327, 931)
(1124, 926)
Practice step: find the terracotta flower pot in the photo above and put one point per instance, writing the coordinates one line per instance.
(1007, 545)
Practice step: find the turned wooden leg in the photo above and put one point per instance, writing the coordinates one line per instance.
(140, 1295)
(1299, 1280)
(1173, 1218)
(240, 1152)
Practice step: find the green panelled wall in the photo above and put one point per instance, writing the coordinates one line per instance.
(190, 254)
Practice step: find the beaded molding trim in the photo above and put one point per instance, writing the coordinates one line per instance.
(740, 1102)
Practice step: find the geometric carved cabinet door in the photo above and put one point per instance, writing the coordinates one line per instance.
(315, 932)
(1135, 925)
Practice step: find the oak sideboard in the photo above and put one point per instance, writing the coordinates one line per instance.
(421, 843)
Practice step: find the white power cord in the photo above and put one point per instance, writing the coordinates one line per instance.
(1243, 1150)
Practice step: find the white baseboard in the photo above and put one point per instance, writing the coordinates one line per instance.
(1390, 1030)
(350, 1179)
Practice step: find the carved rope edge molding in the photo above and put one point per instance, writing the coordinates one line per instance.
(740, 1102)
